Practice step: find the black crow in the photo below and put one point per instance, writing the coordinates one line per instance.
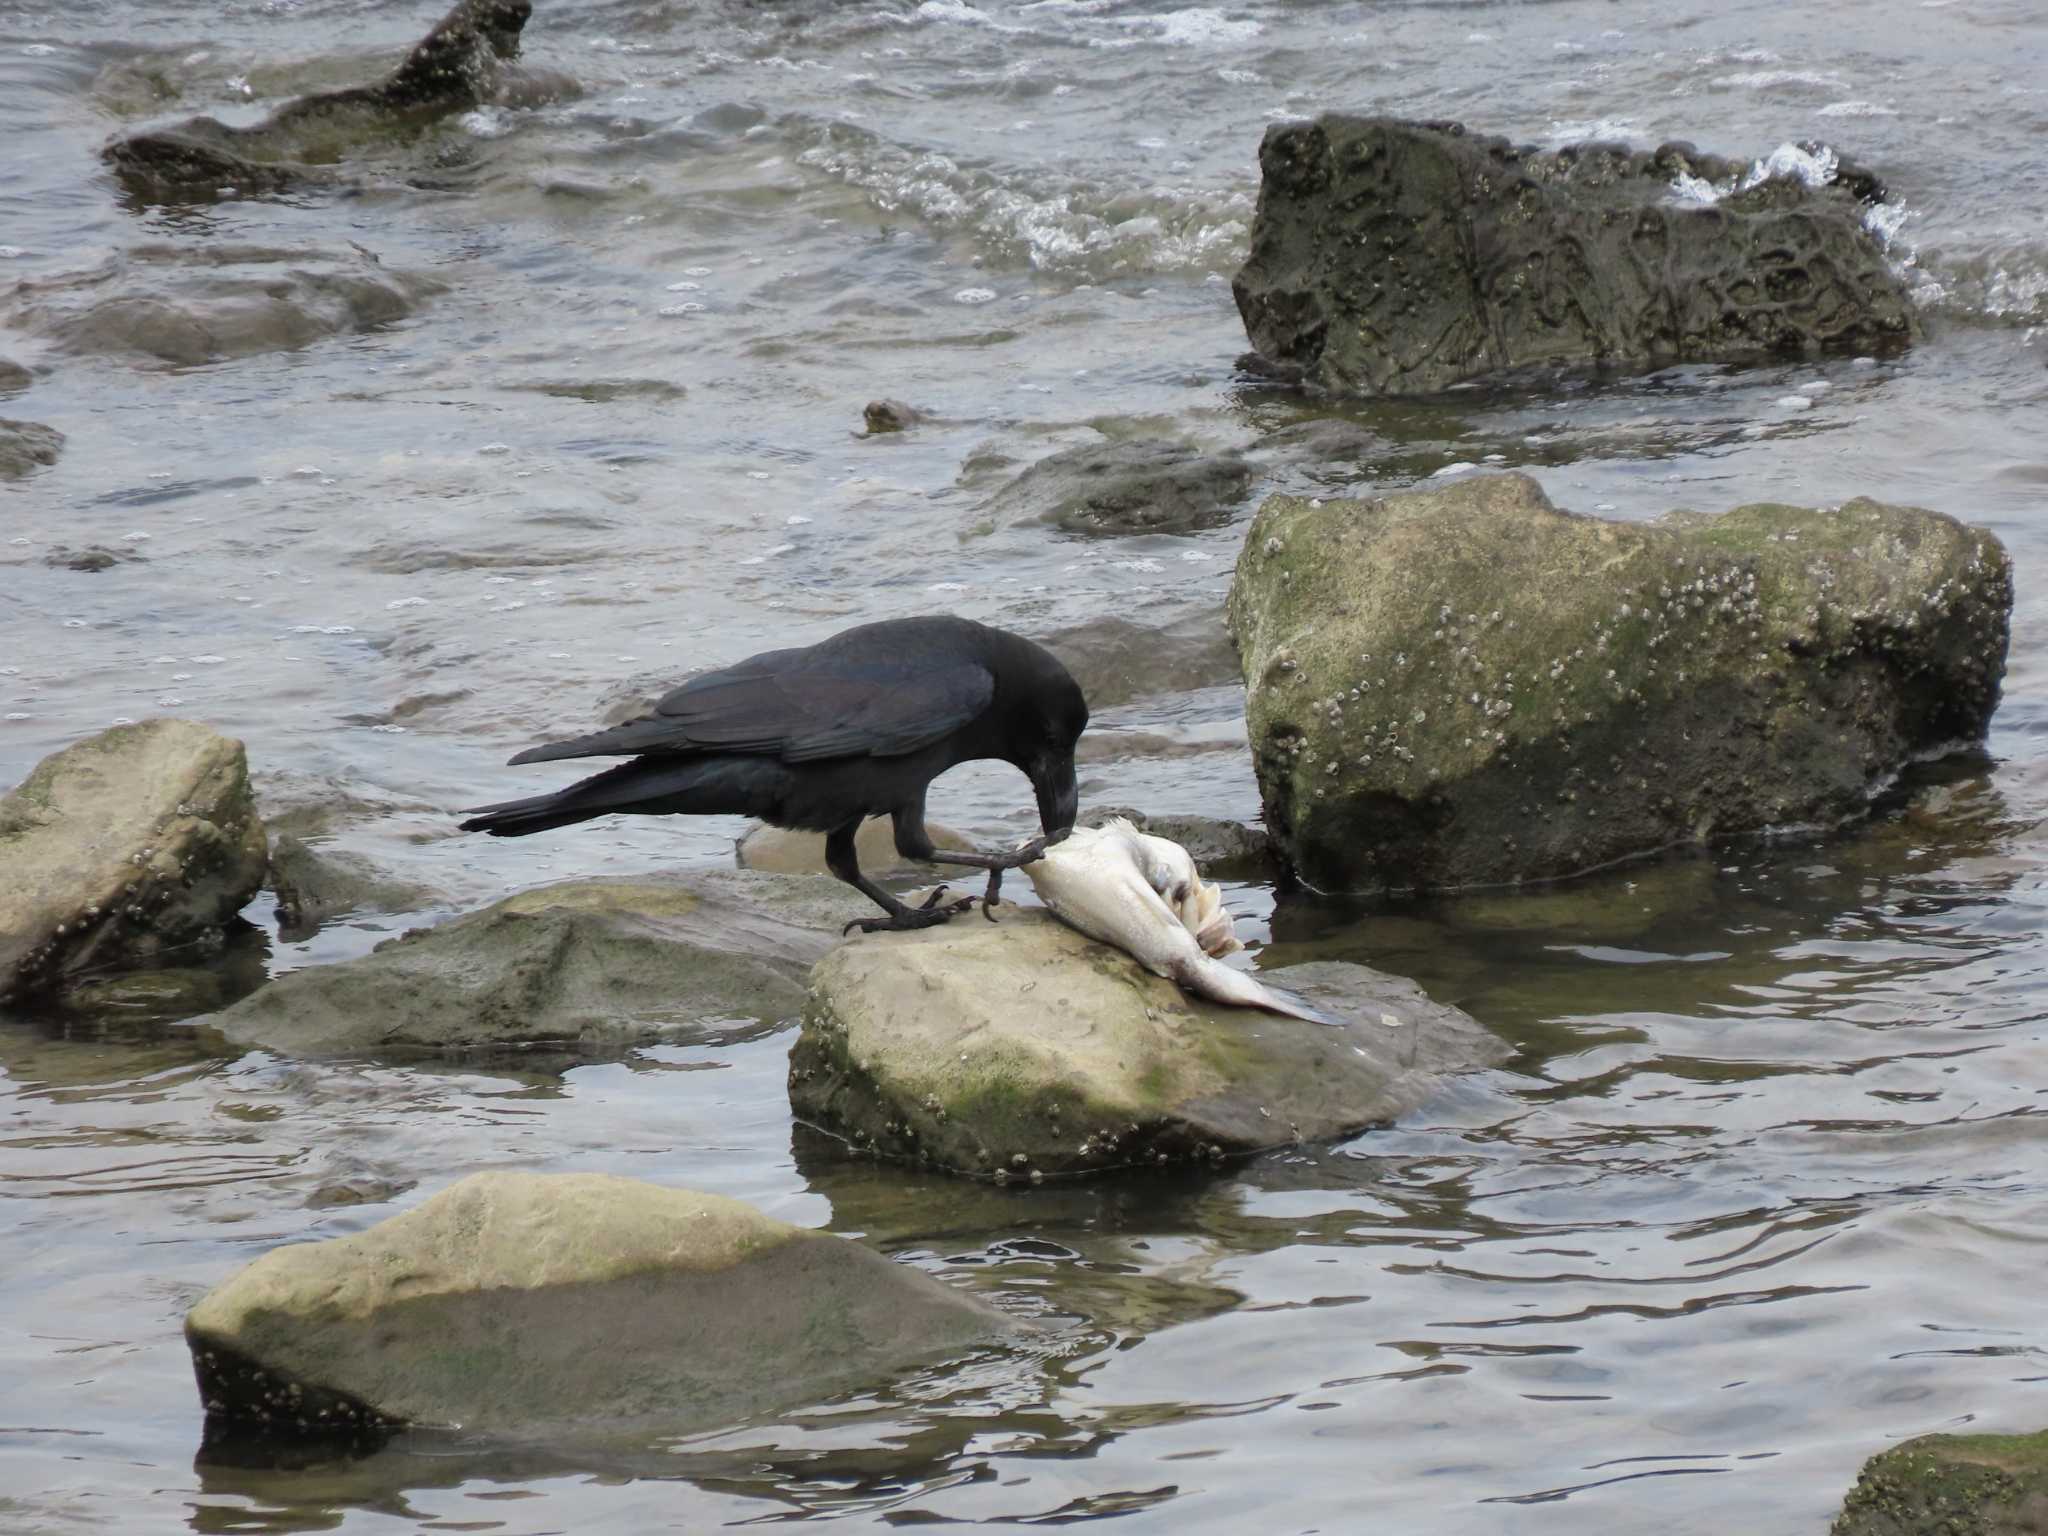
(825, 736)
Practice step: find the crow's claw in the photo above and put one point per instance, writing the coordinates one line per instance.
(930, 915)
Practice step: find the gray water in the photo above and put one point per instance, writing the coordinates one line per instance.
(1763, 1189)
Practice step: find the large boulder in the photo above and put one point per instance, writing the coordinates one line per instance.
(185, 305)
(1022, 1049)
(522, 1303)
(26, 446)
(1952, 1485)
(1464, 686)
(122, 846)
(586, 967)
(1392, 257)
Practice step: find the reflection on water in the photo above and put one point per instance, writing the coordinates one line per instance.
(1761, 1190)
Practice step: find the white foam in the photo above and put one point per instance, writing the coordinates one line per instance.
(1856, 109)
(975, 296)
(1769, 79)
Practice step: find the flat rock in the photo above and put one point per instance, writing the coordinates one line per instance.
(1116, 660)
(1468, 686)
(1127, 486)
(1951, 1485)
(1021, 1049)
(190, 304)
(122, 846)
(784, 851)
(585, 967)
(26, 446)
(519, 1303)
(1394, 257)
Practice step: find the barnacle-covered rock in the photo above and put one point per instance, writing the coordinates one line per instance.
(1466, 685)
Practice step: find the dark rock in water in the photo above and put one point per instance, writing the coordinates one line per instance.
(357, 1189)
(1022, 1049)
(590, 967)
(94, 557)
(194, 304)
(1393, 257)
(1467, 686)
(315, 887)
(13, 377)
(536, 1304)
(1115, 660)
(1127, 487)
(26, 446)
(890, 416)
(1226, 849)
(459, 65)
(121, 847)
(1951, 1485)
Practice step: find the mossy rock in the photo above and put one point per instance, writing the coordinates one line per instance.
(1952, 1485)
(1021, 1049)
(524, 1303)
(1467, 686)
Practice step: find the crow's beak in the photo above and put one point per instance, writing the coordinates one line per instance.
(1058, 800)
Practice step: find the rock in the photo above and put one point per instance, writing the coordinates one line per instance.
(1227, 849)
(530, 1303)
(313, 888)
(460, 65)
(1127, 486)
(586, 967)
(122, 846)
(26, 446)
(1392, 257)
(781, 851)
(1951, 1485)
(357, 1189)
(1116, 661)
(1019, 1049)
(1465, 686)
(890, 416)
(13, 377)
(94, 557)
(173, 993)
(199, 303)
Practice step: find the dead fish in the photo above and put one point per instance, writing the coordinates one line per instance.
(1143, 895)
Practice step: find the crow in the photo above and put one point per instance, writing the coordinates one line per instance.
(823, 736)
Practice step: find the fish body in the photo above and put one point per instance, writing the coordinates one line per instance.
(1143, 895)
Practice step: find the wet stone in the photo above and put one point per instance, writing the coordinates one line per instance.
(1394, 257)
(1951, 1485)
(26, 446)
(1115, 660)
(1127, 486)
(1467, 686)
(1023, 1050)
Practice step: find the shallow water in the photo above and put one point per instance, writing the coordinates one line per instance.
(1763, 1188)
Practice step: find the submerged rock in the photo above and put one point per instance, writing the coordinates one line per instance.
(314, 887)
(462, 64)
(1115, 660)
(1466, 686)
(26, 446)
(783, 851)
(13, 377)
(186, 305)
(121, 847)
(525, 1303)
(1951, 1485)
(1127, 486)
(590, 966)
(1021, 1049)
(889, 416)
(1392, 257)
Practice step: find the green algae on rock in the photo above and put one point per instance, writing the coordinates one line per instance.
(518, 1303)
(1022, 1049)
(1392, 257)
(122, 847)
(587, 966)
(1467, 686)
(1951, 1485)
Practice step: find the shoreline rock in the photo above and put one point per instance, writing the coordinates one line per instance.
(521, 1303)
(1468, 686)
(1951, 1485)
(1022, 1050)
(121, 848)
(27, 446)
(1397, 257)
(1126, 486)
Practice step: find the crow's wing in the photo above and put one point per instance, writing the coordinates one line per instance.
(800, 706)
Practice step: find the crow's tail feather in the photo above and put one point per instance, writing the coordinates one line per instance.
(648, 786)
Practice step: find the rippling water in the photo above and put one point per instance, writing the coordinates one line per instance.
(1764, 1187)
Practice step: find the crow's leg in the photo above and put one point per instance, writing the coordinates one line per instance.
(914, 842)
(839, 858)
